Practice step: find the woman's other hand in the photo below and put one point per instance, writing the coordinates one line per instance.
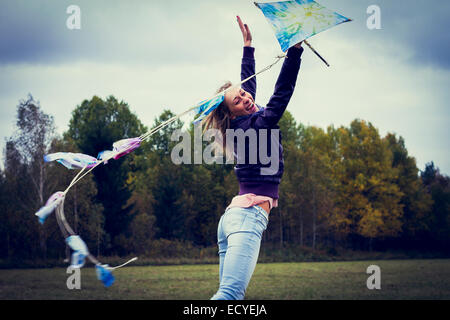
(299, 45)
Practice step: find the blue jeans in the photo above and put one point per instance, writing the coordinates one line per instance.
(239, 239)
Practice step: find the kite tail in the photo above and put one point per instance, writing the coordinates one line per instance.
(103, 270)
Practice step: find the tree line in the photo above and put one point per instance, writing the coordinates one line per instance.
(344, 187)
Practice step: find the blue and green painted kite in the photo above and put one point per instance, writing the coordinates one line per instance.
(298, 20)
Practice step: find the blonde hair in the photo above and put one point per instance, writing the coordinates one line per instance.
(220, 118)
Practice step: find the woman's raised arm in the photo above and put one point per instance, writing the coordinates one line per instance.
(248, 59)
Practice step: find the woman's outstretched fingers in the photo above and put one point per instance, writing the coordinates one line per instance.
(249, 35)
(241, 25)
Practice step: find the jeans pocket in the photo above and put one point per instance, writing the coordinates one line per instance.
(233, 220)
(259, 224)
(244, 220)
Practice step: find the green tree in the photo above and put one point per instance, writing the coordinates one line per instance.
(438, 186)
(3, 217)
(155, 178)
(369, 198)
(95, 125)
(415, 200)
(287, 221)
(21, 233)
(308, 184)
(25, 152)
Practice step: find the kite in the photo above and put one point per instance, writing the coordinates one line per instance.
(56, 203)
(293, 21)
(125, 146)
(120, 148)
(80, 250)
(207, 106)
(74, 241)
(71, 160)
(298, 20)
(50, 206)
(104, 274)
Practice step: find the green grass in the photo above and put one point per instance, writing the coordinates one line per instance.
(400, 279)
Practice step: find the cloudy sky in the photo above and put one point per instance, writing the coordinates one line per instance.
(170, 54)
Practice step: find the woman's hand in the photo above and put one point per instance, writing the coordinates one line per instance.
(245, 33)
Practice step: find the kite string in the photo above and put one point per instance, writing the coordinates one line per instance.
(123, 264)
(77, 178)
(72, 182)
(169, 121)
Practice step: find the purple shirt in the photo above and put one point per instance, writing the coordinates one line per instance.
(251, 181)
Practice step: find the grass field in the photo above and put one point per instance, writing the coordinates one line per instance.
(400, 279)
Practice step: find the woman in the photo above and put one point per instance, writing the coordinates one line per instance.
(245, 219)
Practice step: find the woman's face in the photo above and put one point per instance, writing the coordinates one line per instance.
(240, 102)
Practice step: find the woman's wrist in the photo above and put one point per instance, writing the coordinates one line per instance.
(295, 52)
(249, 52)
